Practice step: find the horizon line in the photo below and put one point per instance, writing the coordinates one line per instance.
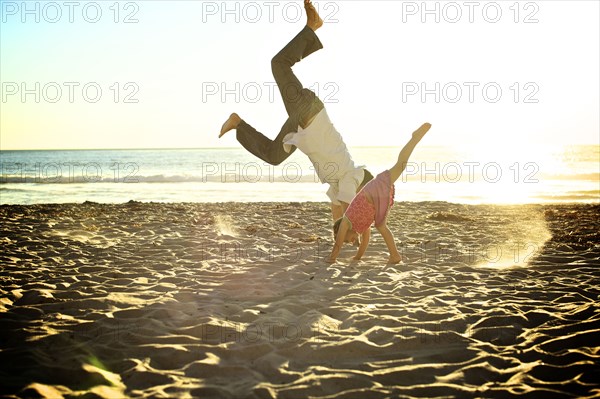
(239, 147)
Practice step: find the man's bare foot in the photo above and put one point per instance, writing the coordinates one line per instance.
(314, 21)
(230, 124)
(420, 132)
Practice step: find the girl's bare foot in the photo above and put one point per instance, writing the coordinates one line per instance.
(230, 124)
(395, 259)
(314, 21)
(420, 132)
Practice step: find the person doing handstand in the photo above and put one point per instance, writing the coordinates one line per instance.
(371, 205)
(308, 126)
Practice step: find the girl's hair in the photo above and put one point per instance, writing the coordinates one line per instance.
(336, 228)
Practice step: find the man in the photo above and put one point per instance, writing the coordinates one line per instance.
(308, 126)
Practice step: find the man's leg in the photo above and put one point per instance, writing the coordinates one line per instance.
(297, 99)
(270, 151)
(301, 46)
(301, 104)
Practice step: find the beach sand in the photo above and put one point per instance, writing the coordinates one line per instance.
(233, 300)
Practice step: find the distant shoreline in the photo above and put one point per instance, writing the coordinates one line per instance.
(549, 146)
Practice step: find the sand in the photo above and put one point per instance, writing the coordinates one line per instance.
(234, 301)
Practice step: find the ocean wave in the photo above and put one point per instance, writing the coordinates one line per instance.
(571, 196)
(579, 176)
(226, 178)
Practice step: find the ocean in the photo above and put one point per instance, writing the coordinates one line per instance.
(435, 173)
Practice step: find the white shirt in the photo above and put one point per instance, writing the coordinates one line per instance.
(324, 146)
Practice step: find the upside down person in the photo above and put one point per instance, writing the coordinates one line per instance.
(371, 205)
(308, 126)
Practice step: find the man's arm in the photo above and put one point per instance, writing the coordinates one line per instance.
(337, 211)
(339, 241)
(364, 244)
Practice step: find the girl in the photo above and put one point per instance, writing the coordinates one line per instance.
(371, 204)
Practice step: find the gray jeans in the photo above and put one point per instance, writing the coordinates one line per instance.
(300, 103)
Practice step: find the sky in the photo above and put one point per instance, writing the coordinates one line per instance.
(497, 77)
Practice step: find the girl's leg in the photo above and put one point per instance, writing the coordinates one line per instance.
(390, 242)
(404, 155)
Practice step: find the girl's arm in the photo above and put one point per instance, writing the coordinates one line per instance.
(339, 241)
(364, 244)
(391, 244)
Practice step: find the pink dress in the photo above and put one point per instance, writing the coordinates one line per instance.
(361, 213)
